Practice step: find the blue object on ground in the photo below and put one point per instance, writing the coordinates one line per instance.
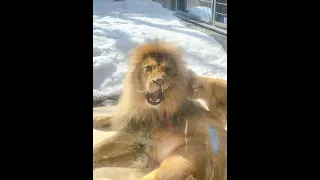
(214, 139)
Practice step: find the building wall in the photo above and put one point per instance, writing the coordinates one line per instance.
(165, 3)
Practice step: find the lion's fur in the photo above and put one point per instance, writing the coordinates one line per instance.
(214, 92)
(143, 132)
(132, 104)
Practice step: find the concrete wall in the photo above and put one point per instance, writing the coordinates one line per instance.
(165, 3)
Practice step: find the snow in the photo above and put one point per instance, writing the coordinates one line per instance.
(203, 12)
(119, 26)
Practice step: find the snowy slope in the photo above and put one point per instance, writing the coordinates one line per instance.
(119, 26)
(202, 12)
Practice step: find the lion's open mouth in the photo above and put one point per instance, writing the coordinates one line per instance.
(156, 97)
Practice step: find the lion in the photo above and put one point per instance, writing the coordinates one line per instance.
(213, 91)
(210, 89)
(158, 124)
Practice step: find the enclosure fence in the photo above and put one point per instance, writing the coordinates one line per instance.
(214, 11)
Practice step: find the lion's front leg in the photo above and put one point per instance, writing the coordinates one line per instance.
(101, 121)
(174, 167)
(120, 150)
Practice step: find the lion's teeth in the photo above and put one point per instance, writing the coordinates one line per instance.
(153, 100)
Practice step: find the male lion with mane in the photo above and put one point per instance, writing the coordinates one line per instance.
(158, 125)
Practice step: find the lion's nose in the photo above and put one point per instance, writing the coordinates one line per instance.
(158, 81)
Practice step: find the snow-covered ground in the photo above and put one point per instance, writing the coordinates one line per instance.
(200, 11)
(119, 26)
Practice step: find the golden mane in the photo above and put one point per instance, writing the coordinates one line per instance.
(132, 102)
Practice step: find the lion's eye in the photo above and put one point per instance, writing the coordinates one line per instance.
(149, 68)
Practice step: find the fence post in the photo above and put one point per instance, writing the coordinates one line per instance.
(176, 1)
(213, 11)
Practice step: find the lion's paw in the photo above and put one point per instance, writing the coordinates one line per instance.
(101, 121)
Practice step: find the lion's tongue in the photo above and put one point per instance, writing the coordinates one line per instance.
(155, 95)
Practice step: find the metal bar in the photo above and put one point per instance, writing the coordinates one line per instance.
(221, 14)
(214, 10)
(176, 1)
(222, 3)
